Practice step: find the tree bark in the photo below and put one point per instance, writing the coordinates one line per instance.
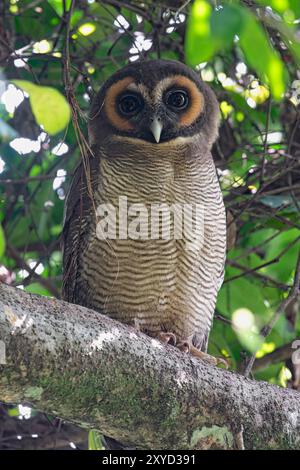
(74, 363)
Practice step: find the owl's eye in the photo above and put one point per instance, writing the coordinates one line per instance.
(177, 99)
(130, 104)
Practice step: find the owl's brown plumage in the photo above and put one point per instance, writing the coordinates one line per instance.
(151, 128)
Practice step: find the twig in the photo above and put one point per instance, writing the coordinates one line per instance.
(250, 271)
(23, 265)
(293, 294)
(262, 277)
(262, 171)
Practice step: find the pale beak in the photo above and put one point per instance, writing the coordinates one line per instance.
(156, 128)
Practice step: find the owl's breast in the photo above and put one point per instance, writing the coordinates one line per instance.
(143, 265)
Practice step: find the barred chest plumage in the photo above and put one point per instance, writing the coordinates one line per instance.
(166, 283)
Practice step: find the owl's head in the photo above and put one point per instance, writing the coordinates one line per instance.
(155, 101)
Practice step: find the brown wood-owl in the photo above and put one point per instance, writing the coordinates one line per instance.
(151, 128)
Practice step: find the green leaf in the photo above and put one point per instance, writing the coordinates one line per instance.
(286, 7)
(14, 412)
(94, 439)
(2, 241)
(260, 54)
(295, 6)
(209, 32)
(49, 106)
(57, 5)
(269, 372)
(235, 291)
(199, 46)
(225, 24)
(36, 288)
(283, 270)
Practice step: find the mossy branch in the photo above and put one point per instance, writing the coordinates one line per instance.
(74, 363)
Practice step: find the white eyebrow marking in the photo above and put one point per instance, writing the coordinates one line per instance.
(161, 87)
(140, 88)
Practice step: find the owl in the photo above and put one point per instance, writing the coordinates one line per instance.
(144, 235)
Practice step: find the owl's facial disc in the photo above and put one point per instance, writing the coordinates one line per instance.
(169, 109)
(175, 101)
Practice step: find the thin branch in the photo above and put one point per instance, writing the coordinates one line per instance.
(280, 354)
(265, 331)
(21, 264)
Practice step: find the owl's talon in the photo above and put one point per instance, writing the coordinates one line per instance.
(184, 347)
(167, 337)
(221, 360)
(187, 347)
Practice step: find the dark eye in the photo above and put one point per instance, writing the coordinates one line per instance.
(177, 99)
(130, 104)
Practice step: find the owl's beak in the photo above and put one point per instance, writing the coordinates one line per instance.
(156, 128)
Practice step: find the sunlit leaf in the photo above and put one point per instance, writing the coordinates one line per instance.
(244, 325)
(2, 241)
(290, 9)
(42, 47)
(226, 109)
(199, 46)
(260, 54)
(265, 348)
(13, 412)
(210, 31)
(258, 94)
(50, 108)
(86, 29)
(58, 5)
(284, 376)
(94, 439)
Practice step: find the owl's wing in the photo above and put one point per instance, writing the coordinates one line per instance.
(78, 216)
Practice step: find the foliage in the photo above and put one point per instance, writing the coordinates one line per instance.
(95, 442)
(49, 107)
(249, 52)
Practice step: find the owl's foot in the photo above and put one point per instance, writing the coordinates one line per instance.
(188, 347)
(167, 337)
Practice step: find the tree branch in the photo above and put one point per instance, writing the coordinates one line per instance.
(280, 354)
(86, 368)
